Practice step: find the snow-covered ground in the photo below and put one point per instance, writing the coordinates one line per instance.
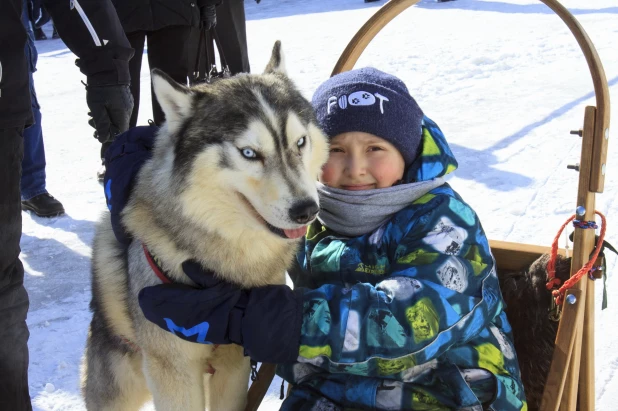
(505, 80)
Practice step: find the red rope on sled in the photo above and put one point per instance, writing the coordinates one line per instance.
(552, 280)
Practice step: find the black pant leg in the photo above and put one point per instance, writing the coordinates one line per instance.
(194, 53)
(232, 31)
(14, 333)
(136, 40)
(168, 50)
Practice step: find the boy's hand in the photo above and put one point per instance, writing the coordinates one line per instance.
(265, 320)
(211, 314)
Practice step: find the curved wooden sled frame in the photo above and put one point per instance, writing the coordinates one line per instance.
(572, 367)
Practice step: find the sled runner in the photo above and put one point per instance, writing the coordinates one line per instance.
(570, 379)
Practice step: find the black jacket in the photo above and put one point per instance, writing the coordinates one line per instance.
(151, 15)
(90, 28)
(14, 88)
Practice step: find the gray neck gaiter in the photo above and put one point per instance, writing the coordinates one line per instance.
(354, 213)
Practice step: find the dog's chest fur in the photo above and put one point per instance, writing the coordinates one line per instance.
(249, 261)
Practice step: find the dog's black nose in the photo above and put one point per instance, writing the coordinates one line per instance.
(304, 211)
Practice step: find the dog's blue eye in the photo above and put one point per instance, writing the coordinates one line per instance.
(301, 142)
(248, 153)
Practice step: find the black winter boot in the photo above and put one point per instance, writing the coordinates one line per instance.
(39, 34)
(43, 205)
(101, 172)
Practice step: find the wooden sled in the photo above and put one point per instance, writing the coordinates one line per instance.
(571, 377)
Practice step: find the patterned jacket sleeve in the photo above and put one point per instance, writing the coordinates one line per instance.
(91, 29)
(441, 291)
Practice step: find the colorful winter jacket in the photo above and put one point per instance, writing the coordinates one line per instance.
(409, 316)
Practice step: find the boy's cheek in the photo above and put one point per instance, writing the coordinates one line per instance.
(329, 173)
(388, 172)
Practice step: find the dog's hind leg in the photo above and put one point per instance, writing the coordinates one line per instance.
(175, 383)
(226, 389)
(111, 374)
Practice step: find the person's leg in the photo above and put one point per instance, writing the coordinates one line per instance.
(33, 165)
(135, 67)
(14, 334)
(168, 50)
(232, 30)
(33, 192)
(304, 398)
(194, 53)
(39, 34)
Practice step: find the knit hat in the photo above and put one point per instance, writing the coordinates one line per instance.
(370, 101)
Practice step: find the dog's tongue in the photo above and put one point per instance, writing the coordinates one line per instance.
(295, 233)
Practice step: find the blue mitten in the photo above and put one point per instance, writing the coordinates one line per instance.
(200, 315)
(266, 321)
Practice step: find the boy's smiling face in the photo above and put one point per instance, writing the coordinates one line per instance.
(362, 161)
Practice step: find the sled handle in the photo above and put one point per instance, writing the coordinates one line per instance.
(600, 137)
(370, 29)
(260, 386)
(601, 91)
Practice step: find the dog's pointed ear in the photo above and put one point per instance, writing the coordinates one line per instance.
(276, 63)
(174, 98)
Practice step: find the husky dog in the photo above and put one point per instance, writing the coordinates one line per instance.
(231, 184)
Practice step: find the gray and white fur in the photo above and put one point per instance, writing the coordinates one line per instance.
(233, 172)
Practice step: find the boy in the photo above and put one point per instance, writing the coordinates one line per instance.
(396, 302)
